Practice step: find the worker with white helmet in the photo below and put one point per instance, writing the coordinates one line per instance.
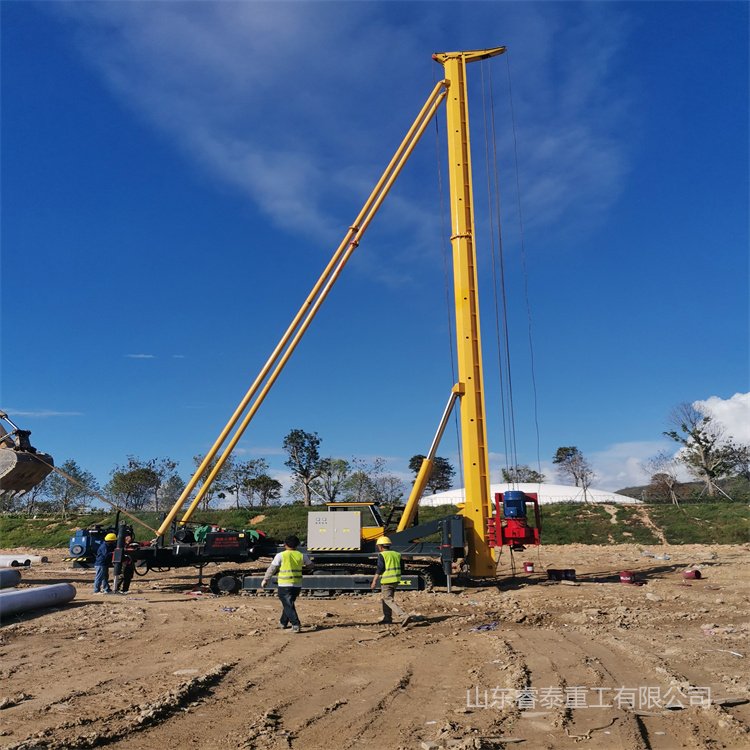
(390, 568)
(102, 563)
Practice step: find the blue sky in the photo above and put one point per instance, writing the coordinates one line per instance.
(176, 175)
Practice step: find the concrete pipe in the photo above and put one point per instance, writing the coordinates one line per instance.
(15, 601)
(9, 578)
(15, 561)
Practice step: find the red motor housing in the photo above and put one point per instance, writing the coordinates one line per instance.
(509, 525)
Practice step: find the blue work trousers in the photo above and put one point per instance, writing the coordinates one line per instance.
(288, 595)
(101, 578)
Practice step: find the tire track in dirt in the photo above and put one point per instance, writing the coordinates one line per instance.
(376, 712)
(150, 716)
(562, 672)
(147, 714)
(695, 721)
(387, 706)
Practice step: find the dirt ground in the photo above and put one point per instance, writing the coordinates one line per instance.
(520, 663)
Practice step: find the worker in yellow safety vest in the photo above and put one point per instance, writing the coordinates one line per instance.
(390, 568)
(288, 564)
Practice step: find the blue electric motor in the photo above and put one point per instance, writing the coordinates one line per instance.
(85, 542)
(514, 504)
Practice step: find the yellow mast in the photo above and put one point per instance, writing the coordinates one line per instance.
(469, 345)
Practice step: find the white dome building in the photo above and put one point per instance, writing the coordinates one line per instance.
(547, 493)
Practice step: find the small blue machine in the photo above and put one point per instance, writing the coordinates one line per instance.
(84, 544)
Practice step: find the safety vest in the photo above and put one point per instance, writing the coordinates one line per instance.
(392, 573)
(290, 573)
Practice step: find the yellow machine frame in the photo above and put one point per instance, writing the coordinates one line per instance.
(470, 388)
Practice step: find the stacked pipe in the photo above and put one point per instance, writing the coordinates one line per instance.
(19, 561)
(14, 601)
(9, 578)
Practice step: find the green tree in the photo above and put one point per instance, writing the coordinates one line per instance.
(74, 494)
(237, 478)
(573, 465)
(739, 457)
(334, 473)
(137, 485)
(522, 473)
(265, 488)
(171, 490)
(360, 487)
(441, 476)
(706, 452)
(303, 453)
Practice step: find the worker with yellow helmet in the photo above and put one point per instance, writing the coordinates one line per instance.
(101, 564)
(390, 568)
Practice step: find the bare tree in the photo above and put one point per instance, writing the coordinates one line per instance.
(361, 485)
(389, 489)
(216, 488)
(662, 468)
(572, 464)
(706, 452)
(32, 499)
(73, 493)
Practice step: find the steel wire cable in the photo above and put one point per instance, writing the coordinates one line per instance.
(523, 265)
(496, 279)
(506, 330)
(491, 158)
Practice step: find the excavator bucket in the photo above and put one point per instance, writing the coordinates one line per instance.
(22, 467)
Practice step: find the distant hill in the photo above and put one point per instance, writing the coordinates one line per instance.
(738, 488)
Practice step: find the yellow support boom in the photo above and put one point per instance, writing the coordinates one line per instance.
(470, 386)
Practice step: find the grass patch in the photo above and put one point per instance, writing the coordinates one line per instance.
(563, 523)
(574, 523)
(712, 523)
(631, 528)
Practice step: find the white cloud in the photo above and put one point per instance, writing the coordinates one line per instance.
(42, 414)
(285, 100)
(732, 413)
(621, 464)
(141, 356)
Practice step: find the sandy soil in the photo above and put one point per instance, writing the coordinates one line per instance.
(525, 663)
